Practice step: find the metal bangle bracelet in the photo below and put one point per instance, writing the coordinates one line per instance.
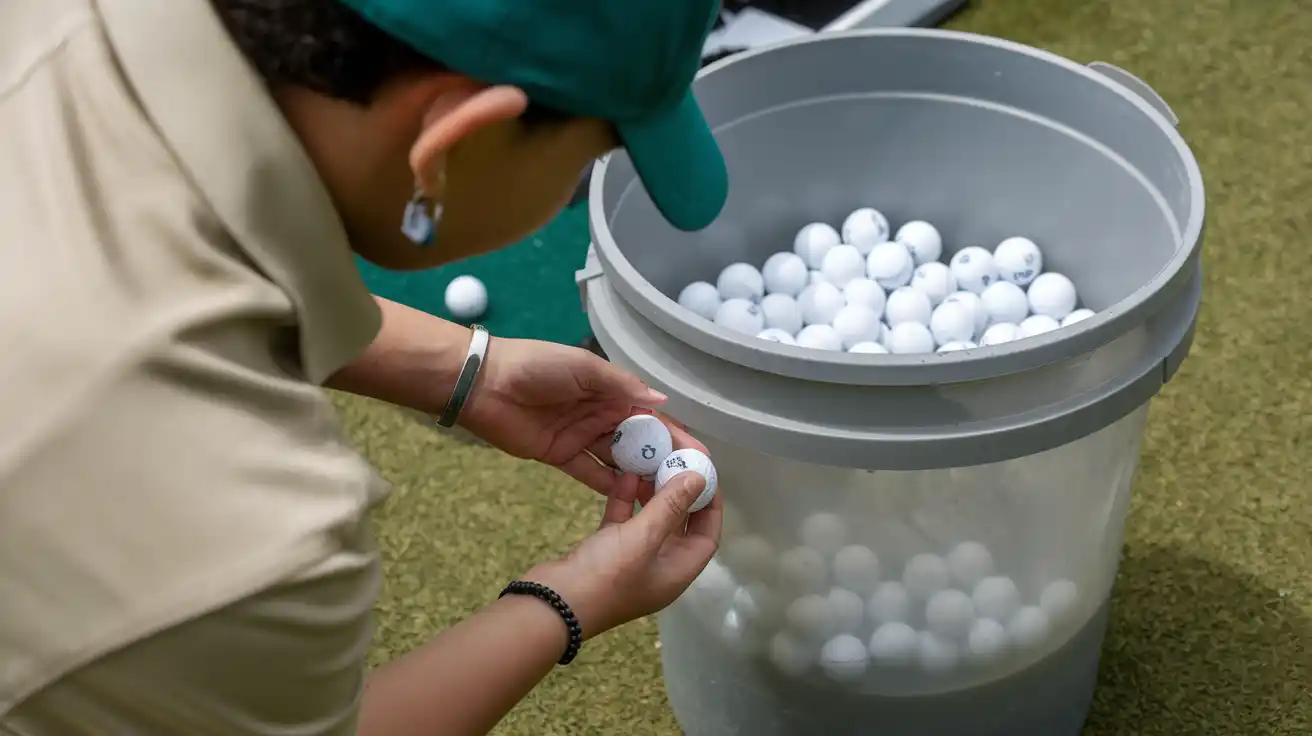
(478, 342)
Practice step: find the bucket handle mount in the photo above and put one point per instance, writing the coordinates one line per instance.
(1138, 87)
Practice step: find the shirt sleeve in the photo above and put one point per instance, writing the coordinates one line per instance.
(287, 661)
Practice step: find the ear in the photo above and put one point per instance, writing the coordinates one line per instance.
(458, 113)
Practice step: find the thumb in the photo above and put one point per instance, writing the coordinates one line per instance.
(668, 510)
(602, 377)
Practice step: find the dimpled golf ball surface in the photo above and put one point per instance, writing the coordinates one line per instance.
(782, 312)
(741, 281)
(999, 333)
(996, 597)
(844, 658)
(701, 298)
(1018, 260)
(820, 337)
(976, 306)
(814, 241)
(894, 644)
(842, 264)
(922, 240)
(890, 602)
(856, 567)
(950, 614)
(865, 293)
(640, 443)
(865, 228)
(1053, 295)
(934, 280)
(938, 655)
(969, 563)
(925, 575)
(987, 640)
(890, 265)
(740, 315)
(790, 655)
(856, 324)
(820, 303)
(785, 273)
(910, 338)
(907, 304)
(682, 461)
(774, 334)
(1005, 302)
(973, 268)
(952, 322)
(1028, 628)
(869, 348)
(466, 298)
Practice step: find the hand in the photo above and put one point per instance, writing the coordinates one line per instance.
(636, 565)
(556, 404)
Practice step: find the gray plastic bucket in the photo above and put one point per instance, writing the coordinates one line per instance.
(986, 139)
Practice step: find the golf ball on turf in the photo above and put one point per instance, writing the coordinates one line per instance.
(987, 640)
(688, 459)
(925, 575)
(844, 658)
(973, 268)
(996, 597)
(774, 334)
(952, 322)
(466, 298)
(950, 614)
(842, 264)
(934, 280)
(1028, 628)
(890, 265)
(785, 273)
(856, 567)
(907, 305)
(969, 563)
(1053, 295)
(890, 602)
(865, 228)
(1037, 324)
(701, 298)
(871, 348)
(820, 337)
(803, 570)
(909, 338)
(741, 281)
(740, 315)
(820, 303)
(1078, 315)
(953, 347)
(894, 644)
(814, 241)
(640, 443)
(999, 333)
(856, 325)
(1005, 302)
(782, 312)
(1018, 260)
(792, 656)
(938, 655)
(922, 241)
(865, 293)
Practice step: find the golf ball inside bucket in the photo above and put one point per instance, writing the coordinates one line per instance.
(682, 461)
(865, 228)
(640, 443)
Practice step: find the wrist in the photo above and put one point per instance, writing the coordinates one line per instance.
(588, 607)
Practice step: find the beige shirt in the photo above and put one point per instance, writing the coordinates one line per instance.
(183, 542)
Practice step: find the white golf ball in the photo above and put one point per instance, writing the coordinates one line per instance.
(759, 606)
(894, 644)
(814, 241)
(987, 640)
(1005, 302)
(803, 570)
(814, 277)
(865, 228)
(996, 597)
(1029, 628)
(872, 348)
(740, 315)
(466, 298)
(774, 334)
(842, 264)
(907, 304)
(1052, 294)
(785, 273)
(740, 281)
(844, 658)
(969, 563)
(925, 575)
(741, 634)
(922, 241)
(712, 591)
(910, 338)
(782, 312)
(856, 567)
(934, 280)
(999, 333)
(950, 614)
(640, 443)
(688, 459)
(976, 305)
(1078, 315)
(1018, 260)
(820, 303)
(820, 337)
(812, 618)
(889, 603)
(865, 293)
(974, 269)
(890, 265)
(824, 532)
(884, 333)
(938, 655)
(790, 655)
(954, 347)
(750, 557)
(952, 322)
(1058, 600)
(856, 325)
(849, 610)
(1037, 324)
(701, 298)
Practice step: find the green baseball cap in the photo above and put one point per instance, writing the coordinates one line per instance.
(629, 62)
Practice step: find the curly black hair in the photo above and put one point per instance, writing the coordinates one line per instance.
(326, 47)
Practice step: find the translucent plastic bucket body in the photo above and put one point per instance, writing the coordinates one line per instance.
(844, 472)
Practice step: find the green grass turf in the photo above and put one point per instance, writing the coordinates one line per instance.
(1212, 617)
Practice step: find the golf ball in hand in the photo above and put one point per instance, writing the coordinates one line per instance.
(682, 461)
(640, 443)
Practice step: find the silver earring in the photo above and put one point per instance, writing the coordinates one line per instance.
(419, 223)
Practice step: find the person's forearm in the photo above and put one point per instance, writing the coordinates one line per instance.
(465, 681)
(413, 362)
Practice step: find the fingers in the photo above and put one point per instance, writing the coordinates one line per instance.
(586, 470)
(668, 510)
(707, 522)
(604, 378)
(619, 507)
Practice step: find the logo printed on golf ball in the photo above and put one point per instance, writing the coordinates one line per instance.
(640, 443)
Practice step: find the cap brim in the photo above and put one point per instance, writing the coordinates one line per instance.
(680, 164)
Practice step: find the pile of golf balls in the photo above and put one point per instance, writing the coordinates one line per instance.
(642, 445)
(829, 604)
(863, 288)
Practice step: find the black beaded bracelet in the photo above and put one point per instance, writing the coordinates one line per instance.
(553, 599)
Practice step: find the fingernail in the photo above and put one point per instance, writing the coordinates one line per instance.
(656, 395)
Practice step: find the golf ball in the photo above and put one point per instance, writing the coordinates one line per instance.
(820, 337)
(842, 264)
(820, 303)
(894, 644)
(890, 602)
(922, 241)
(996, 597)
(701, 298)
(865, 228)
(855, 324)
(1005, 302)
(774, 334)
(844, 658)
(974, 269)
(890, 265)
(908, 304)
(865, 293)
(934, 280)
(1053, 295)
(909, 338)
(466, 298)
(785, 273)
(688, 459)
(782, 312)
(814, 241)
(1018, 260)
(640, 443)
(740, 315)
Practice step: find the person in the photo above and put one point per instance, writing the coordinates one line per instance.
(184, 541)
